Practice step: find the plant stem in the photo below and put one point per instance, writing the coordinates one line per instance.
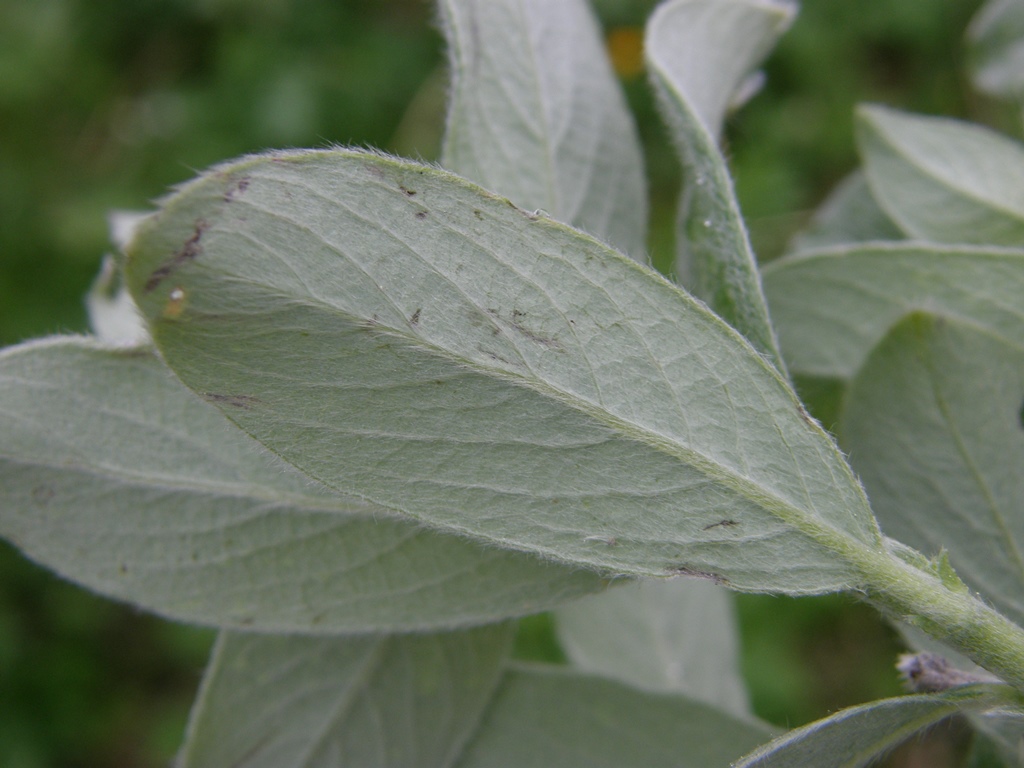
(954, 616)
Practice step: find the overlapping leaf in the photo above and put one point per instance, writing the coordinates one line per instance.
(856, 737)
(699, 53)
(537, 115)
(944, 180)
(393, 700)
(832, 306)
(438, 701)
(933, 425)
(405, 337)
(115, 475)
(675, 636)
(849, 215)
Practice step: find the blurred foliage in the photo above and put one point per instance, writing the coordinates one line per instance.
(106, 103)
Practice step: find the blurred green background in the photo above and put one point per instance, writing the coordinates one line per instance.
(106, 103)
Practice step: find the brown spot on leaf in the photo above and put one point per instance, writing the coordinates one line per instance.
(244, 402)
(720, 524)
(235, 190)
(189, 251)
(683, 570)
(415, 319)
(421, 215)
(408, 192)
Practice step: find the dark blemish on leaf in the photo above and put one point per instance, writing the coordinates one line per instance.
(421, 214)
(683, 570)
(479, 214)
(806, 416)
(409, 192)
(245, 402)
(185, 254)
(516, 322)
(318, 618)
(235, 190)
(495, 356)
(722, 524)
(415, 319)
(123, 568)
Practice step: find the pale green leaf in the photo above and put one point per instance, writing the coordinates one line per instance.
(537, 115)
(933, 425)
(849, 215)
(995, 41)
(546, 717)
(451, 357)
(855, 737)
(401, 701)
(437, 701)
(832, 306)
(699, 52)
(943, 180)
(674, 636)
(116, 476)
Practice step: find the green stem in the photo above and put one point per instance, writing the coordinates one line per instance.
(952, 615)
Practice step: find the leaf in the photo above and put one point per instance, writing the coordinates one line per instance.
(832, 306)
(849, 215)
(672, 636)
(933, 425)
(116, 476)
(943, 180)
(437, 701)
(855, 737)
(699, 52)
(995, 41)
(467, 364)
(537, 115)
(395, 700)
(548, 716)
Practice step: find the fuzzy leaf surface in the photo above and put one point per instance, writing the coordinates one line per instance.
(537, 115)
(675, 636)
(855, 737)
(944, 180)
(402, 701)
(831, 307)
(553, 716)
(699, 52)
(451, 357)
(437, 701)
(116, 476)
(933, 425)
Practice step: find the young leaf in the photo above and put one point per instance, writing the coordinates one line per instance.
(996, 46)
(933, 425)
(699, 52)
(116, 476)
(943, 180)
(544, 717)
(673, 636)
(849, 215)
(492, 372)
(832, 306)
(537, 115)
(395, 700)
(857, 736)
